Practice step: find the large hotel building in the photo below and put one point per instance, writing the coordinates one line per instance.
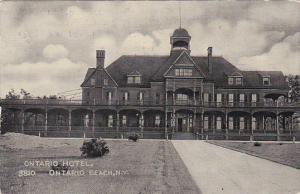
(165, 96)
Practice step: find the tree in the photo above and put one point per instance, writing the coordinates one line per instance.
(294, 86)
(7, 116)
(6, 120)
(25, 94)
(12, 95)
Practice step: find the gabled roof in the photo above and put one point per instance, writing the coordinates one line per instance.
(184, 59)
(134, 73)
(145, 65)
(153, 68)
(254, 79)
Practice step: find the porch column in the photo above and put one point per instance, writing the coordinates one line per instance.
(226, 125)
(70, 119)
(142, 124)
(277, 122)
(46, 120)
(166, 123)
(194, 122)
(263, 123)
(173, 95)
(251, 123)
(93, 122)
(202, 122)
(166, 116)
(173, 121)
(292, 123)
(118, 122)
(194, 96)
(23, 121)
(213, 123)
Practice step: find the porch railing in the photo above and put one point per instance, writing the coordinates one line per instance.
(145, 102)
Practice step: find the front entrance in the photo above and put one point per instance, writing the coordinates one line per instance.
(180, 125)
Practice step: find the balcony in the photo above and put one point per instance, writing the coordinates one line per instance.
(145, 102)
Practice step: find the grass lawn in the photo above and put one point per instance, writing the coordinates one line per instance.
(284, 153)
(148, 166)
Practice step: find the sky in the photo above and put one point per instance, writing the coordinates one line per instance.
(46, 47)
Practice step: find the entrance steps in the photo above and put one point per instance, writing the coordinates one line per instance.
(183, 136)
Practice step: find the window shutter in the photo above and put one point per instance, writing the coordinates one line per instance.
(257, 98)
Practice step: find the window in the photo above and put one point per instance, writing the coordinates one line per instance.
(130, 80)
(238, 81)
(254, 97)
(242, 98)
(137, 80)
(190, 121)
(109, 96)
(219, 123)
(254, 123)
(242, 123)
(182, 97)
(157, 121)
(124, 120)
(105, 82)
(183, 72)
(219, 99)
(157, 96)
(266, 81)
(110, 121)
(134, 79)
(230, 99)
(206, 97)
(234, 80)
(126, 96)
(205, 123)
(93, 81)
(230, 123)
(230, 81)
(140, 96)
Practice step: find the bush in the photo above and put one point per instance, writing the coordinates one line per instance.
(133, 137)
(257, 144)
(60, 168)
(94, 148)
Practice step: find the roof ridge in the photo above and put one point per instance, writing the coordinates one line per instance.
(133, 55)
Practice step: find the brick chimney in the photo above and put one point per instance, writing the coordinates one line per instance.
(100, 55)
(209, 55)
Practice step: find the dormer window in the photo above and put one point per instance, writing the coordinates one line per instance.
(235, 80)
(266, 80)
(134, 78)
(238, 81)
(230, 81)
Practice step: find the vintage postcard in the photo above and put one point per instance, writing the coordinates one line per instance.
(157, 97)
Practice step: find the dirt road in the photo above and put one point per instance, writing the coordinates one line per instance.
(220, 170)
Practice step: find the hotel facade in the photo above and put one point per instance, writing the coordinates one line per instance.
(163, 96)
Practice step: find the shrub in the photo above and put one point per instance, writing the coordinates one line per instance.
(94, 148)
(133, 137)
(257, 143)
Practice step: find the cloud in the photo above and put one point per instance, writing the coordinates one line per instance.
(42, 78)
(283, 56)
(243, 32)
(55, 51)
